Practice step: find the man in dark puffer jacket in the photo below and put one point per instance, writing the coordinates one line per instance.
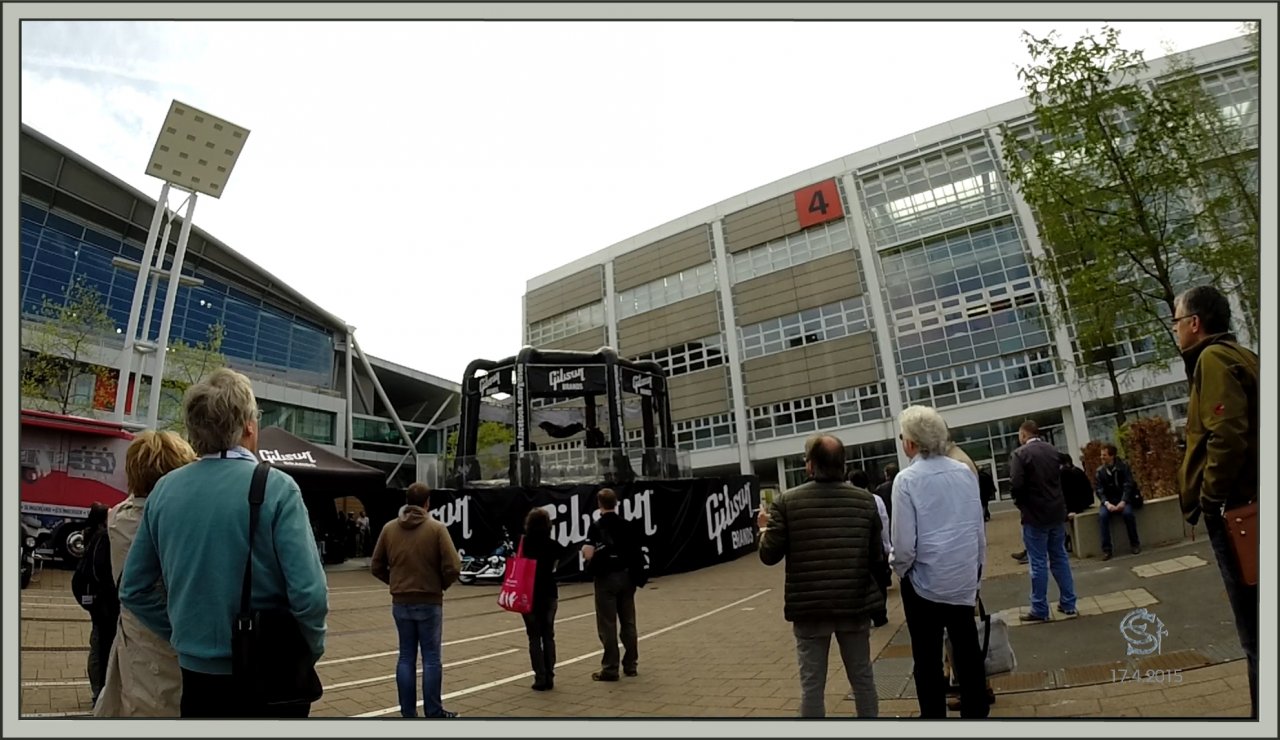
(829, 532)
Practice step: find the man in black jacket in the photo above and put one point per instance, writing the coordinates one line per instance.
(611, 550)
(1076, 491)
(829, 533)
(1116, 490)
(885, 489)
(1037, 492)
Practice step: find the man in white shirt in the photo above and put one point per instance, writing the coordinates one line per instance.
(939, 547)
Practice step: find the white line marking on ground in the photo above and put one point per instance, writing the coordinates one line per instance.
(380, 679)
(570, 661)
(39, 684)
(38, 715)
(459, 641)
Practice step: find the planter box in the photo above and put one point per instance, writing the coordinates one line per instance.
(1159, 521)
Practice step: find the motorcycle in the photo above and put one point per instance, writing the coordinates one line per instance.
(487, 569)
(26, 559)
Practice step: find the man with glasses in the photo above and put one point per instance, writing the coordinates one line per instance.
(1220, 468)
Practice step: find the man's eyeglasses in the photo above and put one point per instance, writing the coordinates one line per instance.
(1178, 319)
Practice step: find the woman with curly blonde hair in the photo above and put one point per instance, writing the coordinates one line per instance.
(143, 677)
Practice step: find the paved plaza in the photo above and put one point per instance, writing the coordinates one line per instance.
(713, 643)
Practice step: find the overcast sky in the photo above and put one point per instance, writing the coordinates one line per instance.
(410, 177)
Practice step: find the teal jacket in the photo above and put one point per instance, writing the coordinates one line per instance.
(195, 534)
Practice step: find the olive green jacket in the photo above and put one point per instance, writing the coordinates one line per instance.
(1220, 467)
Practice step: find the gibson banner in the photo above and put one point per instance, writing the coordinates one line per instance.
(683, 524)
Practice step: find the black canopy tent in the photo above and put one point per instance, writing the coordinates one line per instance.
(324, 476)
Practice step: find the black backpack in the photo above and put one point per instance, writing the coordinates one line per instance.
(97, 595)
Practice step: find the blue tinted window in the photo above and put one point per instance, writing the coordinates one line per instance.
(273, 339)
(32, 212)
(241, 321)
(66, 226)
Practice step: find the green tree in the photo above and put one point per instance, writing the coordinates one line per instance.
(58, 341)
(185, 365)
(1116, 203)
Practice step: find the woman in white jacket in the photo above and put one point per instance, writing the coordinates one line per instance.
(143, 677)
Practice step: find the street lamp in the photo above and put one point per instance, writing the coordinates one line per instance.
(194, 153)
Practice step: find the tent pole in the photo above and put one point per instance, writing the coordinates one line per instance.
(425, 429)
(350, 417)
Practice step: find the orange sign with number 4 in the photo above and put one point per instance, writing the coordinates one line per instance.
(818, 204)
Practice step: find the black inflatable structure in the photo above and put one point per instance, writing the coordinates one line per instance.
(558, 375)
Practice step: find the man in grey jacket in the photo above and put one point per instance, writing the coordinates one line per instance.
(1034, 475)
(829, 533)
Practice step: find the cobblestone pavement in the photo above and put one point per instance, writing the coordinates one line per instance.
(713, 644)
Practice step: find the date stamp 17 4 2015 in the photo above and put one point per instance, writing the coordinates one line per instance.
(1170, 677)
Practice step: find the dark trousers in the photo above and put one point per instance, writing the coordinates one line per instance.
(101, 636)
(926, 621)
(218, 695)
(1243, 599)
(1130, 525)
(616, 606)
(540, 626)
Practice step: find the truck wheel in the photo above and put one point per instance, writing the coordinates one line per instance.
(70, 543)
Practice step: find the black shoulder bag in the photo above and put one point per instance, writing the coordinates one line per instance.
(270, 658)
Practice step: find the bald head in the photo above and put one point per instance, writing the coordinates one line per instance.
(824, 457)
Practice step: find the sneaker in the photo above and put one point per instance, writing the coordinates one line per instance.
(444, 714)
(539, 685)
(1068, 612)
(631, 672)
(1029, 617)
(599, 676)
(1021, 557)
(1106, 556)
(1137, 550)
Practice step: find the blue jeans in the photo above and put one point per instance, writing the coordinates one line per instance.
(1047, 551)
(1130, 525)
(1243, 600)
(419, 628)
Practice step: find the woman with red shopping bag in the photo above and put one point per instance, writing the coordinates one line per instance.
(538, 546)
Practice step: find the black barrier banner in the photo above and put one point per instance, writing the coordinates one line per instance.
(682, 525)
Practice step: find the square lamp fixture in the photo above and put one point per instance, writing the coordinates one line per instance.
(196, 151)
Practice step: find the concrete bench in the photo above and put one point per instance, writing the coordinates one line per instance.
(1159, 521)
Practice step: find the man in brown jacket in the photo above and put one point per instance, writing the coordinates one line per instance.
(1220, 470)
(416, 557)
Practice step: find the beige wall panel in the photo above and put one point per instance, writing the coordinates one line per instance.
(765, 297)
(578, 289)
(586, 341)
(666, 257)
(843, 363)
(699, 394)
(692, 318)
(772, 219)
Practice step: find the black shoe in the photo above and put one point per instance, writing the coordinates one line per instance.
(630, 673)
(1021, 557)
(1028, 617)
(1106, 556)
(1137, 550)
(444, 714)
(600, 676)
(539, 685)
(1068, 612)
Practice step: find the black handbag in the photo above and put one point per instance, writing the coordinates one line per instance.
(270, 657)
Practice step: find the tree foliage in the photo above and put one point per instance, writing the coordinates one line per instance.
(184, 366)
(1113, 169)
(60, 341)
(1152, 453)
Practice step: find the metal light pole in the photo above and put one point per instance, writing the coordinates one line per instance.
(195, 153)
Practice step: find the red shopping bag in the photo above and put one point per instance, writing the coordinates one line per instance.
(517, 583)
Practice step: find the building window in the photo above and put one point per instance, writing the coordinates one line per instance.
(793, 249)
(689, 357)
(991, 378)
(990, 444)
(312, 425)
(1169, 401)
(871, 458)
(667, 290)
(831, 321)
(825, 411)
(707, 433)
(942, 190)
(566, 324)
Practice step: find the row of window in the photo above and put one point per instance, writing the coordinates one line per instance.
(943, 190)
(780, 334)
(952, 265)
(689, 357)
(793, 249)
(707, 433)
(1169, 401)
(667, 290)
(55, 251)
(824, 411)
(991, 378)
(310, 424)
(998, 333)
(566, 324)
(871, 458)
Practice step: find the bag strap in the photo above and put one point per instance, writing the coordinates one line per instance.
(986, 632)
(520, 548)
(257, 492)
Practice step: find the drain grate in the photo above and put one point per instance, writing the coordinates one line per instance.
(1175, 661)
(1009, 683)
(1085, 675)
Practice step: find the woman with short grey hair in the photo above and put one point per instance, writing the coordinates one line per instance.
(217, 410)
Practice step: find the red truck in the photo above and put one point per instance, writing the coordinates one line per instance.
(67, 463)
